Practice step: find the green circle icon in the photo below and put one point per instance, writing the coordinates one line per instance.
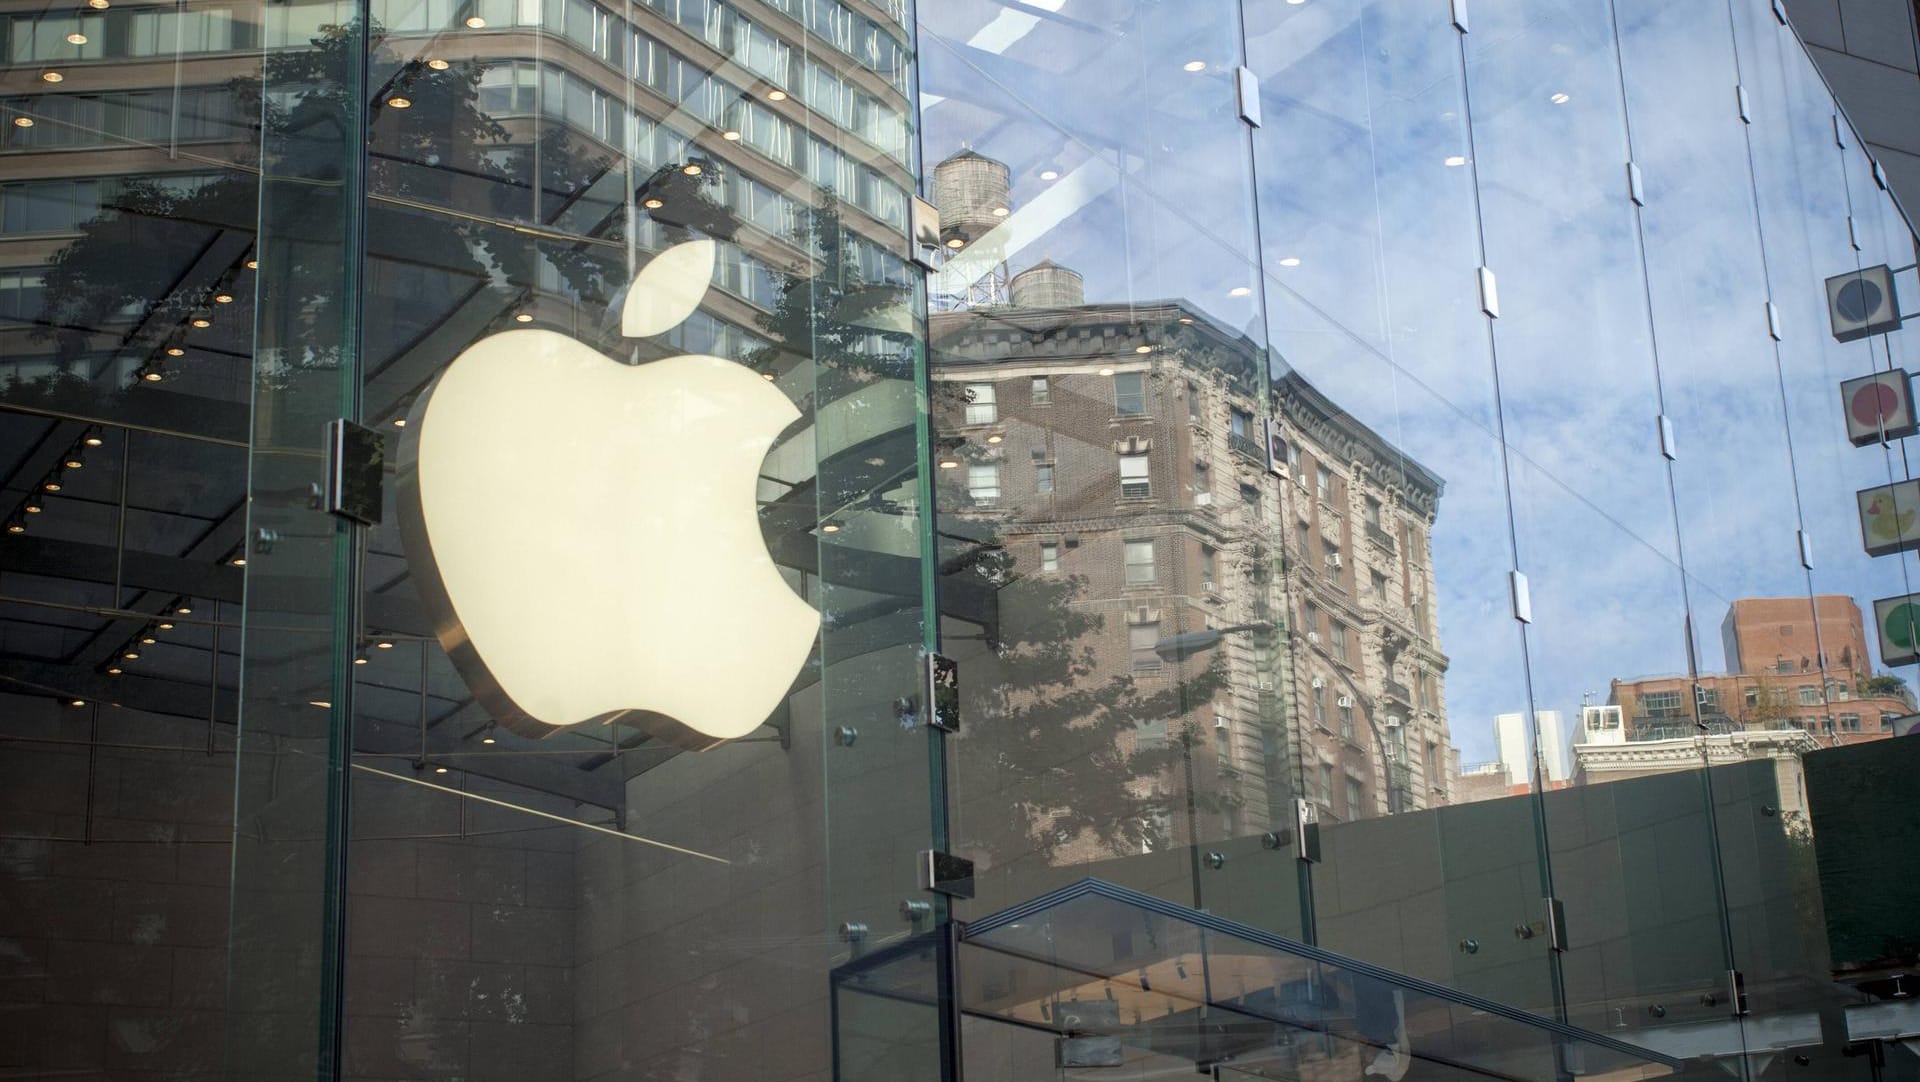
(1900, 623)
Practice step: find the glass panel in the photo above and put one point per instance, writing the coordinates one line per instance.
(652, 343)
(1119, 700)
(127, 312)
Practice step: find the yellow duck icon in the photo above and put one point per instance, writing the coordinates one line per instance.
(1884, 521)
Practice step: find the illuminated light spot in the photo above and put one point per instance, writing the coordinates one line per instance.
(400, 103)
(438, 64)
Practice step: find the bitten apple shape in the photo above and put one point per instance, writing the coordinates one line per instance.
(586, 532)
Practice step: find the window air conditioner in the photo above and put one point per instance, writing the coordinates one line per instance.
(1345, 700)
(1333, 560)
(1207, 587)
(1314, 638)
(1219, 723)
(1203, 499)
(1318, 683)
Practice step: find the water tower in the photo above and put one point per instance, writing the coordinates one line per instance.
(974, 195)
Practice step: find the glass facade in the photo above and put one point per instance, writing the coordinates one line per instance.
(498, 493)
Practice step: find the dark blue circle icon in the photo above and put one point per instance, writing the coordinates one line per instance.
(1858, 300)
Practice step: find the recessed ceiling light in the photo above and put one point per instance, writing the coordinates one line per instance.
(76, 702)
(131, 655)
(1001, 212)
(360, 661)
(776, 95)
(1195, 65)
(32, 506)
(94, 439)
(202, 322)
(76, 38)
(115, 670)
(1456, 160)
(52, 77)
(184, 610)
(1239, 291)
(99, 5)
(238, 561)
(1296, 1)
(1559, 98)
(399, 422)
(152, 375)
(383, 645)
(876, 461)
(768, 376)
(321, 703)
(475, 22)
(50, 485)
(23, 122)
(439, 770)
(1290, 261)
(223, 298)
(1106, 371)
(692, 169)
(438, 64)
(523, 317)
(486, 740)
(653, 202)
(176, 351)
(829, 527)
(1186, 319)
(16, 526)
(730, 135)
(164, 626)
(148, 640)
(1049, 174)
(253, 264)
(957, 242)
(1143, 349)
(399, 102)
(996, 438)
(949, 463)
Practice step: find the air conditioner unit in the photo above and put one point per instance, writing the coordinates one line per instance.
(1203, 499)
(1314, 638)
(1208, 587)
(1219, 723)
(1345, 700)
(1333, 560)
(1318, 683)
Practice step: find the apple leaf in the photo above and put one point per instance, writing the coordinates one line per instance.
(667, 290)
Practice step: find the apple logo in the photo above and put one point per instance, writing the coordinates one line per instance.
(585, 533)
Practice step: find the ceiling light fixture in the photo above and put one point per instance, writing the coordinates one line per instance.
(1106, 371)
(1195, 65)
(383, 645)
(164, 626)
(829, 526)
(957, 242)
(253, 264)
(32, 506)
(996, 438)
(399, 102)
(238, 561)
(1239, 291)
(1290, 261)
(1456, 160)
(399, 422)
(115, 670)
(321, 703)
(1559, 98)
(1143, 349)
(150, 372)
(1049, 174)
(23, 122)
(76, 38)
(52, 77)
(949, 463)
(51, 484)
(93, 438)
(202, 322)
(148, 640)
(74, 460)
(730, 135)
(439, 770)
(692, 169)
(523, 317)
(653, 202)
(16, 525)
(223, 298)
(99, 5)
(776, 95)
(438, 64)
(475, 22)
(183, 609)
(1001, 212)
(131, 655)
(76, 702)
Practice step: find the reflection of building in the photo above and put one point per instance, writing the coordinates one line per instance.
(1121, 447)
(1795, 688)
(1513, 771)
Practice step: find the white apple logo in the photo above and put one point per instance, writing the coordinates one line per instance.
(585, 533)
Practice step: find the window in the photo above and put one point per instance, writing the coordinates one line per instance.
(1207, 563)
(1373, 511)
(1346, 717)
(1134, 481)
(1240, 424)
(1310, 618)
(983, 483)
(1379, 587)
(1355, 798)
(1140, 569)
(1809, 695)
(1419, 606)
(1752, 697)
(1661, 704)
(1320, 704)
(1429, 765)
(982, 408)
(1130, 393)
(1303, 537)
(1323, 483)
(1293, 456)
(1049, 556)
(1332, 559)
(1709, 699)
(1042, 391)
(1326, 783)
(1423, 687)
(1141, 639)
(1043, 477)
(1337, 640)
(1202, 485)
(1849, 723)
(1193, 401)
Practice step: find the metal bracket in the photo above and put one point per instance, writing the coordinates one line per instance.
(1306, 830)
(1737, 989)
(1780, 12)
(1880, 174)
(1522, 596)
(1489, 293)
(1853, 233)
(1556, 925)
(1667, 446)
(1839, 132)
(1636, 187)
(940, 692)
(1806, 549)
(1460, 15)
(1276, 450)
(944, 873)
(1773, 321)
(1246, 86)
(1746, 104)
(356, 461)
(924, 221)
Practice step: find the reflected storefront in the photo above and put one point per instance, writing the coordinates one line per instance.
(846, 539)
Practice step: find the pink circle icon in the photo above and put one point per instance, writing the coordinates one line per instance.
(1874, 403)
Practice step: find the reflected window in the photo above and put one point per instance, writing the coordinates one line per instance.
(1661, 704)
(1337, 641)
(1319, 702)
(1373, 512)
(1193, 401)
(1049, 556)
(1809, 695)
(1303, 538)
(1130, 393)
(1379, 587)
(1240, 424)
(1849, 723)
(982, 409)
(983, 484)
(1326, 785)
(1429, 766)
(1202, 485)
(1709, 699)
(1207, 565)
(1140, 563)
(1042, 391)
(1310, 621)
(1135, 483)
(1334, 561)
(1043, 477)
(1141, 639)
(1356, 797)
(1323, 483)
(1346, 717)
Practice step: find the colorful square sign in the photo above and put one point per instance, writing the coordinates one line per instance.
(1879, 406)
(1890, 517)
(1862, 303)
(1897, 619)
